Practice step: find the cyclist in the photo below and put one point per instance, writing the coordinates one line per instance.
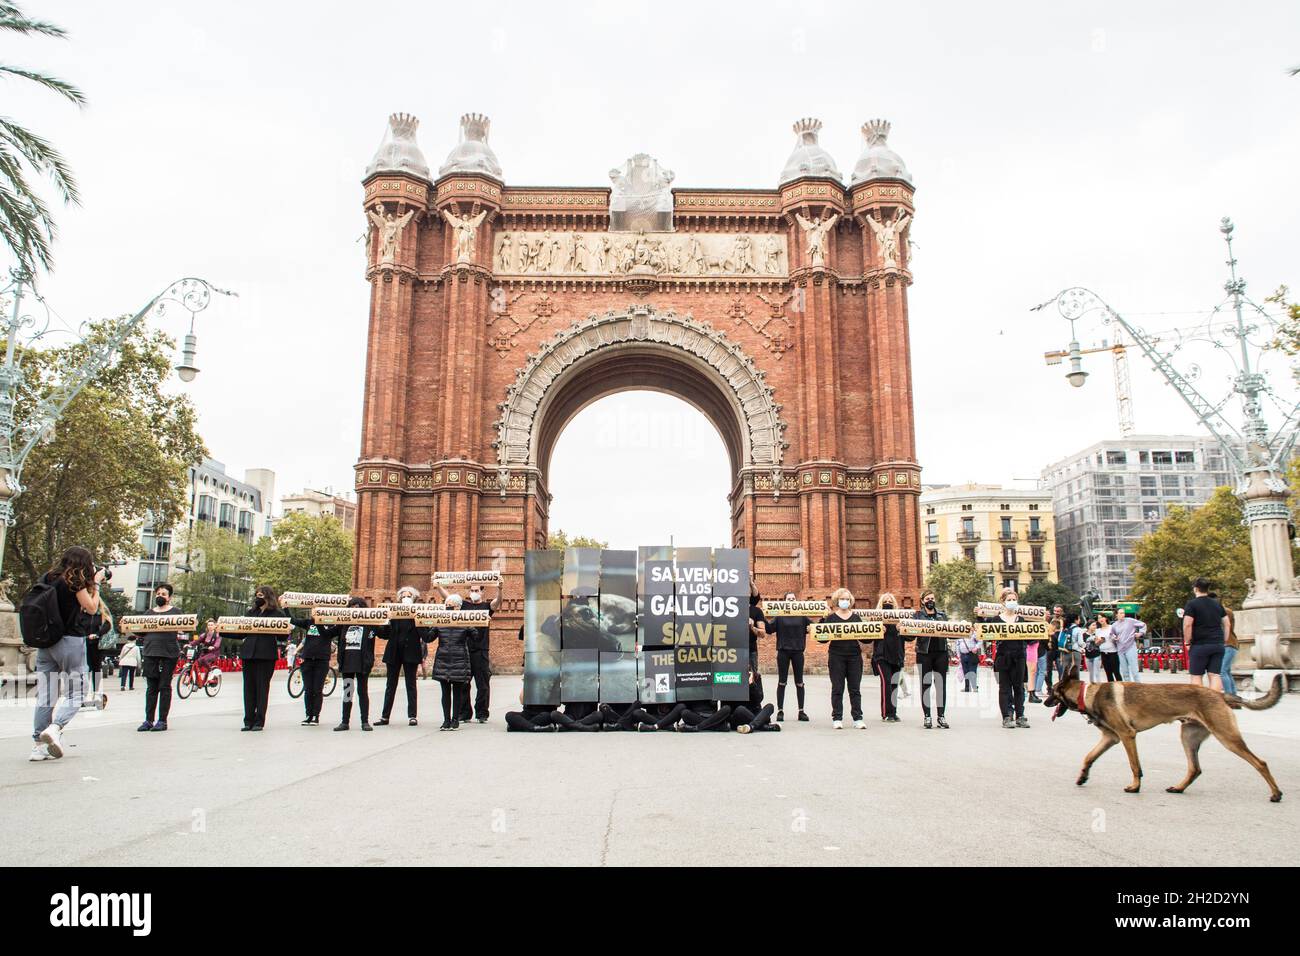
(207, 646)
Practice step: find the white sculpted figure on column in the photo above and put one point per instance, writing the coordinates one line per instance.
(816, 231)
(390, 230)
(465, 227)
(888, 235)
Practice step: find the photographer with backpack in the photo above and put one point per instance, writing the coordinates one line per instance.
(49, 618)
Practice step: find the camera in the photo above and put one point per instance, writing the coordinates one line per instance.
(108, 573)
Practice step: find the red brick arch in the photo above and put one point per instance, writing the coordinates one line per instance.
(473, 371)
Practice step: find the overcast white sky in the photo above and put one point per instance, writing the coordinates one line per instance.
(1051, 145)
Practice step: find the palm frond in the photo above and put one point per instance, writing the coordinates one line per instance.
(52, 83)
(12, 18)
(42, 156)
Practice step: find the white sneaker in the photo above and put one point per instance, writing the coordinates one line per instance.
(51, 737)
(859, 725)
(40, 752)
(837, 724)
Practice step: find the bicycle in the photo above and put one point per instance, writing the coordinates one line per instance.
(194, 675)
(296, 686)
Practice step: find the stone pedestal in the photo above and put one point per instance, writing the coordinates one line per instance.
(1268, 624)
(16, 664)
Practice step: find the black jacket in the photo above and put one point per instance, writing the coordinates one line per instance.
(889, 649)
(315, 647)
(844, 648)
(404, 642)
(791, 632)
(1011, 659)
(164, 644)
(258, 647)
(451, 661)
(937, 646)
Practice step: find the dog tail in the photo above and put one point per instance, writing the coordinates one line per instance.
(1260, 703)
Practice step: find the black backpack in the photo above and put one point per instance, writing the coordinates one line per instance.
(39, 617)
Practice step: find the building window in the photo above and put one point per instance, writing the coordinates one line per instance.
(1036, 557)
(967, 525)
(1184, 458)
(931, 532)
(1116, 458)
(929, 510)
(1006, 527)
(1004, 507)
(968, 554)
(1009, 557)
(1034, 528)
(965, 507)
(934, 557)
(1162, 458)
(1033, 507)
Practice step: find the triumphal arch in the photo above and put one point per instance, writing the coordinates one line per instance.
(498, 312)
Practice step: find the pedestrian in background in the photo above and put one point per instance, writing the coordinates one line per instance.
(128, 662)
(1229, 651)
(969, 649)
(1125, 631)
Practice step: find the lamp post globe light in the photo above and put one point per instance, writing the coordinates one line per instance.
(23, 332)
(1268, 624)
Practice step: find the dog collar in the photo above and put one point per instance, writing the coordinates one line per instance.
(1083, 709)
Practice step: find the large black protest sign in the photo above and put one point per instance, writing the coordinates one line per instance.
(656, 625)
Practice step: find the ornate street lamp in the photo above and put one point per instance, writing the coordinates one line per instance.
(18, 438)
(1269, 622)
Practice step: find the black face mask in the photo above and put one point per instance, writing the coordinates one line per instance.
(888, 607)
(259, 601)
(929, 605)
(160, 600)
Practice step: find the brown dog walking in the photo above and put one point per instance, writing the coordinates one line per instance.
(1123, 710)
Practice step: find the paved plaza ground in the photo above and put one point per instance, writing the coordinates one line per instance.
(204, 793)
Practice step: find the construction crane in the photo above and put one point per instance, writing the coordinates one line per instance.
(1123, 390)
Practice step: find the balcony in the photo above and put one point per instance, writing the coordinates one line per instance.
(1036, 536)
(1040, 569)
(227, 525)
(968, 537)
(1005, 568)
(1008, 537)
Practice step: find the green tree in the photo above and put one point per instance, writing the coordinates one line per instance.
(1210, 542)
(121, 449)
(305, 553)
(957, 584)
(220, 577)
(25, 221)
(1288, 332)
(558, 540)
(1049, 593)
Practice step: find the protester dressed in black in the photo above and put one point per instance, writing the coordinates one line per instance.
(791, 643)
(356, 656)
(480, 665)
(314, 658)
(158, 654)
(844, 661)
(402, 659)
(1012, 667)
(932, 658)
(259, 654)
(887, 658)
(451, 667)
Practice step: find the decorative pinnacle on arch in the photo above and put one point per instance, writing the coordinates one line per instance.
(403, 125)
(474, 126)
(875, 132)
(807, 129)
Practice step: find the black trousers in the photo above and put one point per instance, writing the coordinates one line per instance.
(845, 669)
(706, 719)
(1110, 664)
(1011, 696)
(455, 700)
(127, 673)
(313, 685)
(481, 674)
(518, 721)
(1051, 664)
(934, 679)
(407, 669)
(359, 684)
(158, 686)
(785, 660)
(257, 691)
(740, 714)
(888, 674)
